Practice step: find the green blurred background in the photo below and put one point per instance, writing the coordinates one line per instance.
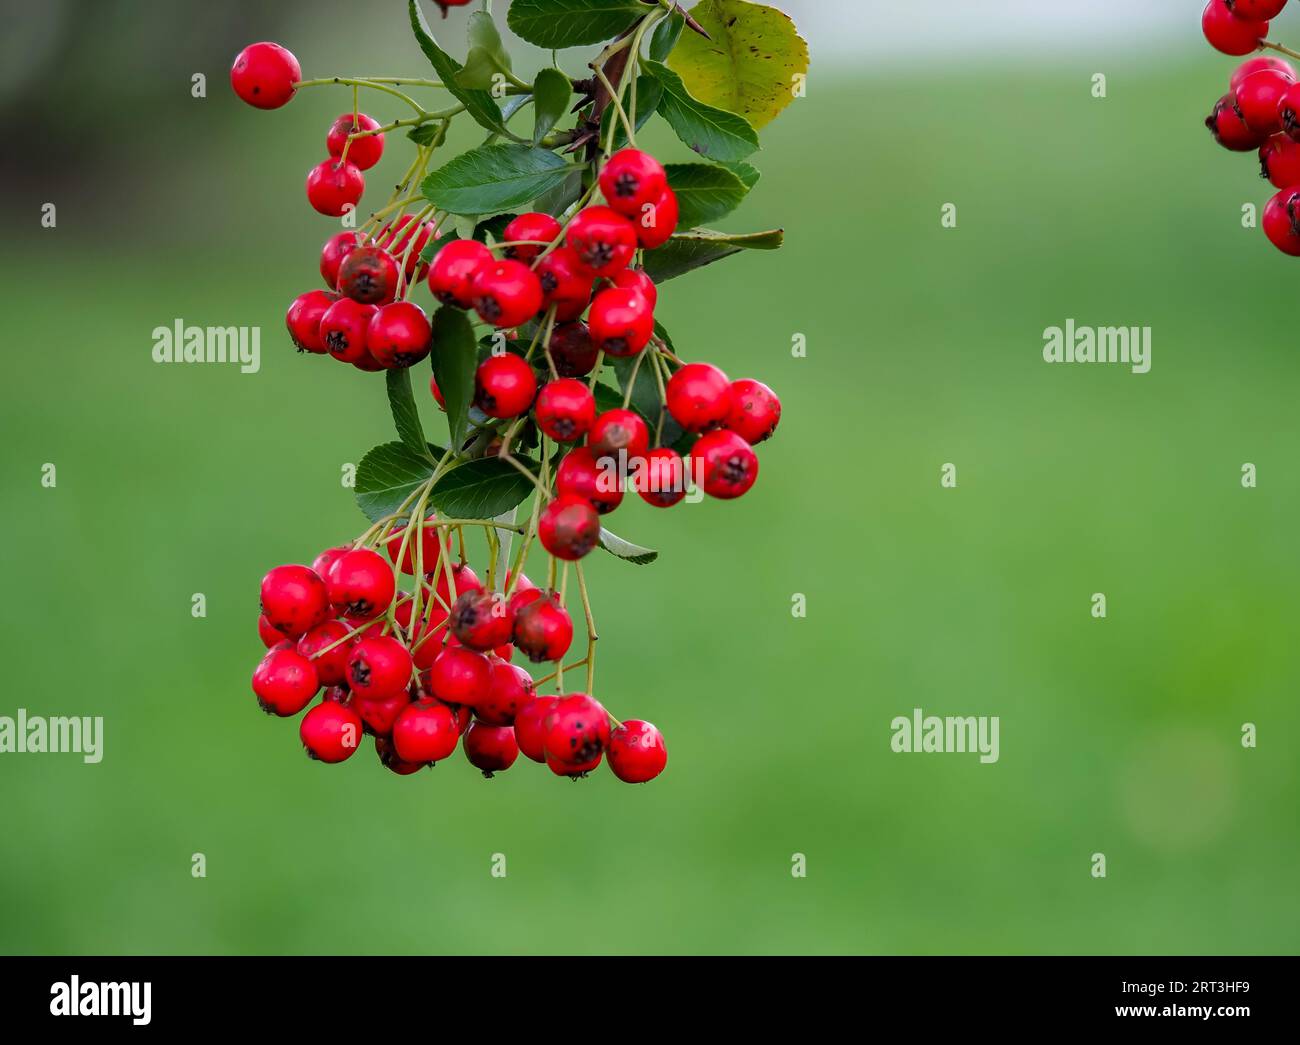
(1119, 736)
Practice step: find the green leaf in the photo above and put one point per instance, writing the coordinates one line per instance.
(554, 24)
(487, 57)
(406, 415)
(560, 198)
(455, 357)
(425, 134)
(494, 178)
(645, 392)
(388, 475)
(749, 63)
(615, 545)
(481, 489)
(479, 104)
(746, 172)
(665, 36)
(431, 251)
(705, 192)
(494, 227)
(648, 92)
(712, 132)
(701, 247)
(551, 94)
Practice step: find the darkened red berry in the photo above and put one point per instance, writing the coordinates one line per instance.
(565, 409)
(330, 731)
(723, 464)
(660, 478)
(581, 475)
(365, 150)
(504, 385)
(452, 271)
(574, 770)
(361, 584)
(379, 713)
(284, 681)
(268, 633)
(506, 293)
(303, 319)
(529, 230)
(1229, 129)
(336, 248)
(428, 536)
(369, 275)
(531, 722)
(378, 667)
(512, 688)
(569, 527)
(572, 350)
(294, 599)
(399, 335)
(698, 396)
(565, 284)
(602, 240)
(755, 409)
(619, 434)
(333, 188)
(630, 180)
(343, 329)
(493, 749)
(482, 620)
(331, 667)
(1256, 10)
(460, 676)
(543, 629)
(578, 730)
(636, 752)
(388, 756)
(1282, 221)
(264, 75)
(621, 321)
(425, 731)
(658, 222)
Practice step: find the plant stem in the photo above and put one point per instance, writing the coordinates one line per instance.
(1269, 45)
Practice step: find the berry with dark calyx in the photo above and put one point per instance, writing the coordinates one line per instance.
(1254, 65)
(493, 749)
(264, 75)
(1229, 129)
(482, 620)
(574, 770)
(427, 535)
(631, 179)
(303, 319)
(698, 396)
(331, 667)
(388, 756)
(512, 688)
(294, 600)
(336, 248)
(619, 434)
(543, 629)
(581, 475)
(527, 230)
(399, 335)
(268, 633)
(572, 350)
(369, 275)
(322, 563)
(361, 584)
(334, 187)
(602, 239)
(460, 676)
(343, 329)
(638, 280)
(565, 409)
(1282, 221)
(636, 752)
(1288, 111)
(379, 713)
(621, 321)
(330, 732)
(531, 723)
(1256, 10)
(452, 271)
(1258, 98)
(578, 729)
(364, 151)
(1228, 33)
(284, 681)
(565, 284)
(396, 239)
(660, 478)
(506, 293)
(1279, 161)
(755, 409)
(425, 731)
(569, 527)
(378, 667)
(657, 223)
(504, 385)
(723, 464)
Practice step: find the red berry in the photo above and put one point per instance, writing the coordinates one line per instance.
(379, 713)
(264, 75)
(425, 731)
(399, 335)
(636, 752)
(568, 527)
(723, 464)
(543, 629)
(493, 749)
(512, 688)
(1279, 161)
(630, 180)
(322, 563)
(460, 676)
(268, 633)
(369, 275)
(1280, 221)
(364, 151)
(425, 637)
(1228, 128)
(581, 475)
(1254, 65)
(361, 584)
(1228, 33)
(388, 756)
(436, 392)
(1258, 98)
(698, 396)
(578, 730)
(531, 722)
(452, 271)
(330, 732)
(368, 364)
(1288, 111)
(575, 770)
(396, 239)
(1256, 10)
(602, 240)
(755, 409)
(618, 434)
(660, 478)
(482, 620)
(504, 385)
(378, 667)
(621, 321)
(303, 319)
(657, 223)
(506, 293)
(343, 329)
(465, 578)
(334, 188)
(533, 226)
(572, 350)
(336, 248)
(428, 535)
(284, 681)
(639, 280)
(564, 284)
(331, 667)
(294, 599)
(565, 409)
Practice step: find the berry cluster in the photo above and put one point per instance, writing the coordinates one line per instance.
(1261, 111)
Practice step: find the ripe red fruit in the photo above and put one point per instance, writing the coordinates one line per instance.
(638, 280)
(1254, 65)
(1280, 221)
(294, 599)
(564, 284)
(330, 732)
(482, 620)
(268, 633)
(636, 752)
(565, 409)
(755, 409)
(264, 75)
(465, 578)
(602, 240)
(578, 729)
(572, 350)
(331, 667)
(425, 638)
(452, 271)
(1228, 33)
(506, 293)
(698, 396)
(1279, 161)
(378, 667)
(493, 749)
(364, 151)
(284, 681)
(1288, 111)
(428, 535)
(660, 478)
(533, 226)
(1258, 97)
(581, 475)
(621, 321)
(369, 275)
(336, 248)
(334, 188)
(425, 731)
(343, 329)
(657, 223)
(1228, 128)
(574, 770)
(616, 432)
(568, 527)
(396, 239)
(379, 713)
(460, 676)
(543, 629)
(630, 180)
(399, 335)
(504, 385)
(303, 319)
(361, 584)
(389, 758)
(723, 465)
(1256, 10)
(531, 722)
(512, 687)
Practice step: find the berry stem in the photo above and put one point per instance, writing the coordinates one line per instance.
(591, 628)
(1269, 45)
(374, 85)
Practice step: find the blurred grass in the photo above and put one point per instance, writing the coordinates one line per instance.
(1118, 736)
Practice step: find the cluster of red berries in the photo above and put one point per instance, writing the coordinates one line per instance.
(1261, 110)
(421, 684)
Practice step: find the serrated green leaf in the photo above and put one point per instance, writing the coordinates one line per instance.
(746, 172)
(615, 545)
(705, 192)
(648, 92)
(479, 104)
(555, 24)
(406, 415)
(666, 35)
(710, 131)
(551, 94)
(455, 357)
(701, 247)
(494, 178)
(388, 475)
(425, 134)
(493, 227)
(559, 199)
(487, 58)
(481, 489)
